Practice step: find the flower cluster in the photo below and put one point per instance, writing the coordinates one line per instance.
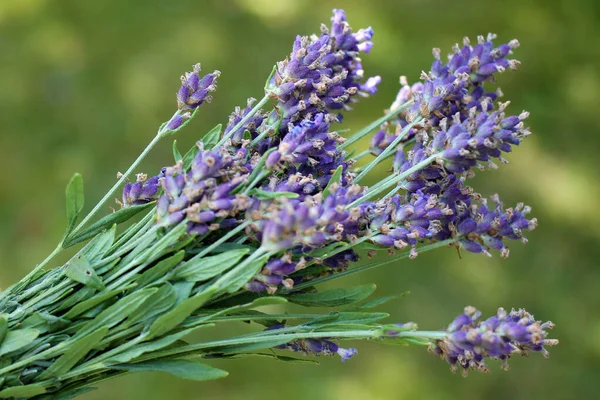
(203, 195)
(322, 72)
(311, 222)
(274, 168)
(470, 341)
(142, 191)
(310, 149)
(457, 86)
(252, 126)
(454, 212)
(195, 90)
(451, 92)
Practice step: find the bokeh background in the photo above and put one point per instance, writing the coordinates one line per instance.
(84, 85)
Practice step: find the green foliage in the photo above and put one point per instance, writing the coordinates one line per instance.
(333, 297)
(212, 137)
(335, 179)
(185, 369)
(76, 351)
(265, 195)
(3, 327)
(25, 392)
(105, 222)
(75, 198)
(202, 269)
(176, 154)
(16, 339)
(80, 270)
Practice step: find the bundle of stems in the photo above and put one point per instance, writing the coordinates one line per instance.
(264, 211)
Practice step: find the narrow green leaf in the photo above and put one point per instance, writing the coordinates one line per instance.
(44, 322)
(236, 310)
(22, 392)
(368, 246)
(201, 269)
(77, 297)
(3, 327)
(268, 81)
(183, 290)
(117, 312)
(97, 248)
(160, 302)
(74, 195)
(177, 315)
(185, 369)
(165, 244)
(80, 270)
(223, 247)
(263, 343)
(266, 355)
(239, 276)
(264, 195)
(160, 270)
(335, 178)
(333, 297)
(74, 354)
(176, 154)
(68, 394)
(117, 217)
(327, 249)
(147, 347)
(375, 302)
(188, 158)
(337, 318)
(82, 307)
(16, 339)
(212, 137)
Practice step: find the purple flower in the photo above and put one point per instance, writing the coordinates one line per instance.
(470, 342)
(142, 191)
(452, 211)
(457, 86)
(316, 347)
(195, 90)
(323, 72)
(203, 195)
(251, 126)
(311, 222)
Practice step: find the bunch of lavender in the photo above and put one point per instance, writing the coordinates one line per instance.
(263, 211)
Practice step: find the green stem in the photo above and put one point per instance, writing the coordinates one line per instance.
(388, 150)
(29, 277)
(161, 133)
(395, 180)
(360, 155)
(267, 338)
(264, 133)
(116, 186)
(423, 334)
(222, 240)
(369, 266)
(262, 175)
(375, 124)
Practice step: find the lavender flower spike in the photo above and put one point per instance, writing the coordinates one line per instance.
(195, 90)
(142, 191)
(470, 342)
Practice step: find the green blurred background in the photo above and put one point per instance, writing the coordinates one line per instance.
(84, 85)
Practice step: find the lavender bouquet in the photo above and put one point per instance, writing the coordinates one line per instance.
(262, 212)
